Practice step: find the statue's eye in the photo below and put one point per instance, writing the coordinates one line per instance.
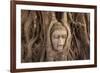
(64, 36)
(56, 36)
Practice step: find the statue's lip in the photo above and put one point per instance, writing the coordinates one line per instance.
(60, 45)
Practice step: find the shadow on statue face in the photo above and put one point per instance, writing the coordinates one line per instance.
(58, 39)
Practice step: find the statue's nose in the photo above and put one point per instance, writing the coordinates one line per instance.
(61, 41)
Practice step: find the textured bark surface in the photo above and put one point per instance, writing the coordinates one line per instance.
(35, 35)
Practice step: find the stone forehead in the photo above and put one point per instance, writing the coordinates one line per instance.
(58, 26)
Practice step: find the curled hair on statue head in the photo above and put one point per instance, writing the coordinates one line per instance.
(58, 26)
